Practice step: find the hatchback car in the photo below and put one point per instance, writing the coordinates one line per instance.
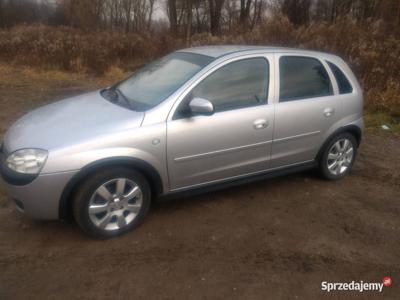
(197, 119)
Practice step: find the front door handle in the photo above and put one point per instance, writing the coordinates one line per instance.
(329, 112)
(260, 124)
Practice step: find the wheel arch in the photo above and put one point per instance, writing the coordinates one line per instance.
(352, 129)
(151, 174)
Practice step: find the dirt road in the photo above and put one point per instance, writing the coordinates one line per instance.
(276, 239)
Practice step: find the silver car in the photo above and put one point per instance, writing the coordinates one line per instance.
(195, 120)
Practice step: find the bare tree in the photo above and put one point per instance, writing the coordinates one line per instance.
(13, 12)
(245, 11)
(231, 11)
(151, 10)
(189, 18)
(298, 11)
(1, 13)
(258, 11)
(215, 10)
(172, 16)
(340, 8)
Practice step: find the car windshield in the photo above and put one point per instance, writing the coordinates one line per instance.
(155, 82)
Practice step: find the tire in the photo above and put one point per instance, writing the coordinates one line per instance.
(338, 151)
(111, 202)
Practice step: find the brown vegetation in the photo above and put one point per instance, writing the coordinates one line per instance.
(372, 51)
(92, 36)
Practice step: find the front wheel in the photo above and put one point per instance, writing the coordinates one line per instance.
(111, 202)
(338, 157)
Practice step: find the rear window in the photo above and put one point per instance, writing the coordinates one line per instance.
(302, 77)
(341, 79)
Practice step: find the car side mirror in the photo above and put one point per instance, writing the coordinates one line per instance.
(200, 106)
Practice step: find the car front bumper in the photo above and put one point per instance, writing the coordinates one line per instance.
(40, 199)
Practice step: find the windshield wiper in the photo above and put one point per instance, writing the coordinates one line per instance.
(116, 89)
(114, 94)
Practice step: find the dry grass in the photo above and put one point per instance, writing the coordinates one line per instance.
(24, 88)
(372, 49)
(75, 50)
(375, 121)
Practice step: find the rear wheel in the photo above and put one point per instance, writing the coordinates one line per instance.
(111, 202)
(338, 157)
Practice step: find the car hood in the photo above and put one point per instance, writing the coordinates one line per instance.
(70, 121)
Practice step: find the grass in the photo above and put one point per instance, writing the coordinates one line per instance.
(24, 88)
(375, 120)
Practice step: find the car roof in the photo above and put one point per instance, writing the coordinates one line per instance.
(222, 50)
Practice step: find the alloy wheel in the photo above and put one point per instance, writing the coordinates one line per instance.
(340, 156)
(115, 204)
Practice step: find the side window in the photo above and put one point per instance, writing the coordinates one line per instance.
(341, 79)
(302, 77)
(238, 84)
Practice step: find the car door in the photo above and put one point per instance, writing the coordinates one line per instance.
(305, 111)
(236, 139)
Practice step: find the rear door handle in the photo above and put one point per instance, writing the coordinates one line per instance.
(329, 112)
(260, 124)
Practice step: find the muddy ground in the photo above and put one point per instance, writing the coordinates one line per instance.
(275, 239)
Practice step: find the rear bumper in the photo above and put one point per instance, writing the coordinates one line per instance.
(40, 199)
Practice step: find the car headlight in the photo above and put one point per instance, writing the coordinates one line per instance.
(27, 161)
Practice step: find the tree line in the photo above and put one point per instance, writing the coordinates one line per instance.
(187, 17)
